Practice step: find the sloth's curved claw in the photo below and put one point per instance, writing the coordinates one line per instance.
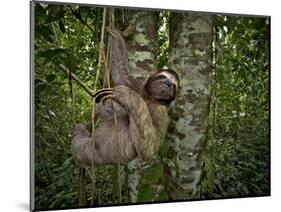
(101, 94)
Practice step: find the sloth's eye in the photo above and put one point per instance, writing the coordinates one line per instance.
(160, 77)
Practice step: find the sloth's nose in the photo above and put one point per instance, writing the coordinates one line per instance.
(168, 82)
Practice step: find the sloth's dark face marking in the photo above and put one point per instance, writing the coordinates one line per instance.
(163, 86)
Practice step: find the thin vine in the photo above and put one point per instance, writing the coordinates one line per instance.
(100, 61)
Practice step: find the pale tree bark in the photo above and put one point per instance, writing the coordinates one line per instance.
(140, 36)
(190, 56)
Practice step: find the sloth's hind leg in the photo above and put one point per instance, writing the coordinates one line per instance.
(82, 147)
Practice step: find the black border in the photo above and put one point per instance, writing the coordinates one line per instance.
(32, 117)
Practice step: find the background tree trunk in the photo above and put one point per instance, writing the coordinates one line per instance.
(190, 56)
(140, 35)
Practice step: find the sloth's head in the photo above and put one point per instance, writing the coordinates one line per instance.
(162, 86)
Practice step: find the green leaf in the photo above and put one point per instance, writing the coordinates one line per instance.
(154, 173)
(67, 162)
(60, 182)
(163, 149)
(40, 14)
(146, 193)
(55, 13)
(50, 53)
(45, 32)
(78, 15)
(50, 78)
(163, 196)
(61, 26)
(40, 88)
(38, 81)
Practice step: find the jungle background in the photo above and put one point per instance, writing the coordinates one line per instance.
(217, 144)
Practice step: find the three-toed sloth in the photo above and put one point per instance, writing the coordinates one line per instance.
(134, 114)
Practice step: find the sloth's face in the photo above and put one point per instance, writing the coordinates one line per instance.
(163, 86)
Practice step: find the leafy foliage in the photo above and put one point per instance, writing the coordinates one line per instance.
(59, 103)
(237, 160)
(163, 39)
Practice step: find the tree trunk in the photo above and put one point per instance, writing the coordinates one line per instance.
(140, 35)
(190, 57)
